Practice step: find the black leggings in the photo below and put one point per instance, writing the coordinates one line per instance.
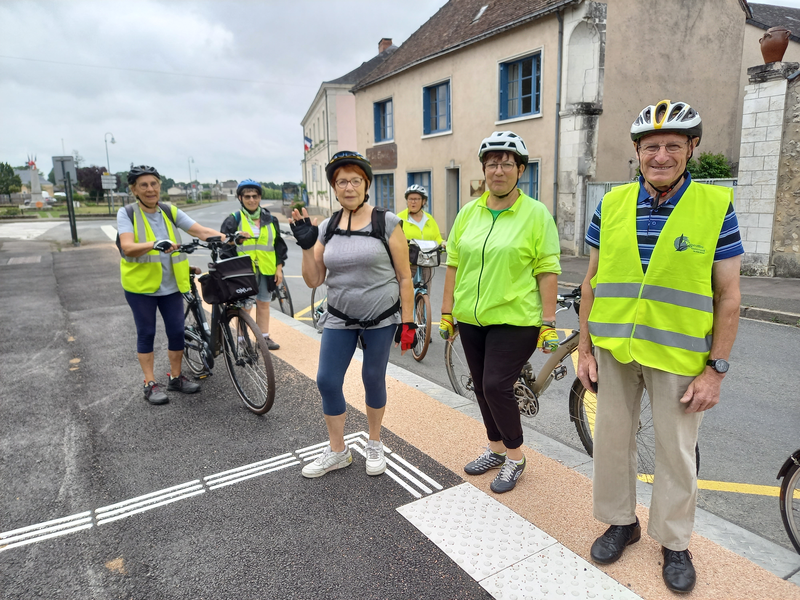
(144, 315)
(496, 355)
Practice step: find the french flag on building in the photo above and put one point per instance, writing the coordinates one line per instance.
(306, 144)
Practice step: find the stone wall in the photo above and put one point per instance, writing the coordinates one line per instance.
(786, 225)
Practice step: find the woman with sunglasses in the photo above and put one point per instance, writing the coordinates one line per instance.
(500, 286)
(361, 254)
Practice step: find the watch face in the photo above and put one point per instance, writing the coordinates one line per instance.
(719, 365)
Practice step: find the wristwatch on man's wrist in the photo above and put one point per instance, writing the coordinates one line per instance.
(549, 324)
(719, 365)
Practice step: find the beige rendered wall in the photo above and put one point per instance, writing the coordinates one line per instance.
(474, 78)
(694, 55)
(345, 123)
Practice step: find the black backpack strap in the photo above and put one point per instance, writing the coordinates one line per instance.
(364, 324)
(167, 208)
(333, 223)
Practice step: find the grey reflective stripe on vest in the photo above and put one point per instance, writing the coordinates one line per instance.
(611, 330)
(678, 298)
(256, 248)
(655, 292)
(617, 290)
(145, 258)
(672, 339)
(651, 334)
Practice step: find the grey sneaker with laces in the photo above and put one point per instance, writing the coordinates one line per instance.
(507, 477)
(183, 385)
(486, 461)
(376, 462)
(271, 344)
(328, 461)
(154, 393)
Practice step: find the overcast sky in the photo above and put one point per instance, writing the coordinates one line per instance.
(225, 83)
(255, 65)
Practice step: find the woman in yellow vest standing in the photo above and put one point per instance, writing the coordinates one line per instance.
(501, 286)
(418, 224)
(154, 276)
(263, 244)
(660, 304)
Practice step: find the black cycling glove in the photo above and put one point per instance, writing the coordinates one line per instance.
(305, 233)
(162, 245)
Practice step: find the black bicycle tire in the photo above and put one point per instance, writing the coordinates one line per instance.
(193, 341)
(285, 299)
(645, 436)
(258, 354)
(790, 513)
(315, 315)
(419, 352)
(457, 372)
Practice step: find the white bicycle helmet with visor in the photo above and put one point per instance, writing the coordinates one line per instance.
(667, 117)
(504, 141)
(416, 189)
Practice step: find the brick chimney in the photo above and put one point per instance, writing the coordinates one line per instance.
(384, 44)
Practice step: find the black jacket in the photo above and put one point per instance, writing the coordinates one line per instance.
(231, 224)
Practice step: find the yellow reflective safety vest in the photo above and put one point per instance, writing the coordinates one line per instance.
(412, 230)
(663, 318)
(142, 275)
(261, 249)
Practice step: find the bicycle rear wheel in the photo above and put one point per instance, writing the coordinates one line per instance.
(790, 504)
(284, 299)
(248, 361)
(457, 369)
(319, 304)
(196, 354)
(583, 410)
(422, 313)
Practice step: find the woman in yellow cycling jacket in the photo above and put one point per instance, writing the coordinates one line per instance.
(500, 286)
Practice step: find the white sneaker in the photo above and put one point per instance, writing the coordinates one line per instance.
(376, 463)
(328, 461)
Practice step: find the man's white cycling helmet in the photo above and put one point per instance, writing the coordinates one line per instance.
(417, 189)
(504, 141)
(667, 117)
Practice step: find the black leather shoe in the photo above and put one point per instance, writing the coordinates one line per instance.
(678, 570)
(610, 546)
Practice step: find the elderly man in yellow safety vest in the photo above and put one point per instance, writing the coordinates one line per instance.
(660, 305)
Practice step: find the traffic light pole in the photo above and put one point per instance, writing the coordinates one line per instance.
(71, 211)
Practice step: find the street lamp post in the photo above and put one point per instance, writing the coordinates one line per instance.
(108, 164)
(190, 162)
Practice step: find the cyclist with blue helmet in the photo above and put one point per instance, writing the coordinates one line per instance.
(263, 244)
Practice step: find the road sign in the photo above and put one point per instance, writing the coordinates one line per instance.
(63, 165)
(109, 182)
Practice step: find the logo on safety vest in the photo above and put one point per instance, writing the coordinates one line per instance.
(682, 243)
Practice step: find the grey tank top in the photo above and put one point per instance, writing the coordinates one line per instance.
(361, 280)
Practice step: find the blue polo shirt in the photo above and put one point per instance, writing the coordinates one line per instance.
(650, 219)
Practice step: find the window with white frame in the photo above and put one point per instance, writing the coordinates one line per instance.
(520, 87)
(384, 120)
(436, 108)
(384, 191)
(529, 182)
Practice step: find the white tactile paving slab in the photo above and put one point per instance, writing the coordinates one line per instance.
(509, 556)
(555, 572)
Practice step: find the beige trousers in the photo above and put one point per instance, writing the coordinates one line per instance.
(672, 508)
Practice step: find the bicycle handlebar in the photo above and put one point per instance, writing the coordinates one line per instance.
(212, 243)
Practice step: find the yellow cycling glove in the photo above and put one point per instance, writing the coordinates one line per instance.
(446, 326)
(548, 338)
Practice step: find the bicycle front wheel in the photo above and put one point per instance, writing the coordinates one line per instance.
(248, 361)
(583, 410)
(422, 313)
(319, 304)
(195, 350)
(285, 299)
(457, 369)
(790, 504)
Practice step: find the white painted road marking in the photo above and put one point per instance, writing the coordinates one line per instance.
(110, 231)
(25, 231)
(146, 502)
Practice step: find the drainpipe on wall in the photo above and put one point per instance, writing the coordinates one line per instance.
(558, 116)
(328, 146)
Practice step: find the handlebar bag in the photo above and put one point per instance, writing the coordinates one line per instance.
(229, 280)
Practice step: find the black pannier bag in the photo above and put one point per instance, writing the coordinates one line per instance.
(229, 280)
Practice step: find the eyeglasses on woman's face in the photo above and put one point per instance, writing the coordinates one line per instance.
(506, 166)
(355, 182)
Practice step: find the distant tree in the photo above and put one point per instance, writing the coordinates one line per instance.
(51, 176)
(122, 181)
(9, 182)
(78, 158)
(167, 182)
(89, 178)
(709, 166)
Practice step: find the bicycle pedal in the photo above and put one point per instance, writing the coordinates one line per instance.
(559, 372)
